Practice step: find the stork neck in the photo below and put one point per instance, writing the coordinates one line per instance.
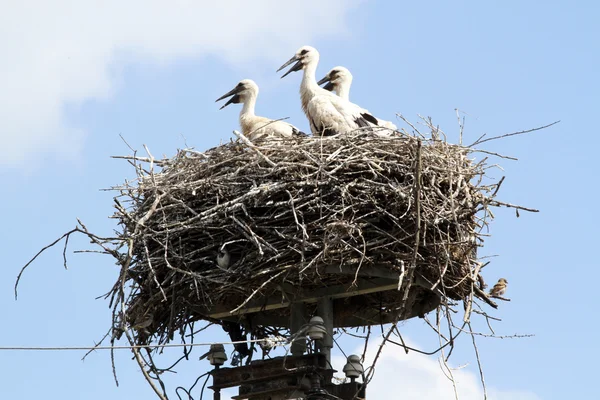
(248, 108)
(343, 91)
(309, 82)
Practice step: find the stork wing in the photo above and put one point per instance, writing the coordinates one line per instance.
(359, 117)
(326, 119)
(365, 119)
(262, 127)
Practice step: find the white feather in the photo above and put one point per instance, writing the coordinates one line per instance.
(341, 80)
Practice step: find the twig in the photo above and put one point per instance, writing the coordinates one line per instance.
(500, 203)
(417, 205)
(478, 142)
(37, 255)
(478, 363)
(499, 297)
(253, 147)
(255, 292)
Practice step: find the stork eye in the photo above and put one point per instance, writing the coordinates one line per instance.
(303, 52)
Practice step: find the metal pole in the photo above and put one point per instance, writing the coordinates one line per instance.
(296, 323)
(325, 311)
(315, 392)
(217, 392)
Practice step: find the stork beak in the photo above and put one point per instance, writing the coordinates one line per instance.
(327, 79)
(322, 81)
(235, 99)
(296, 67)
(329, 86)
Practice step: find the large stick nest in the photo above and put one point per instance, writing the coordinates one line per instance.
(286, 211)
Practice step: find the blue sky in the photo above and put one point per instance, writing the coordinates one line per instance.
(76, 77)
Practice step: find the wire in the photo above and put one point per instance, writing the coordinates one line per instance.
(203, 386)
(178, 388)
(275, 341)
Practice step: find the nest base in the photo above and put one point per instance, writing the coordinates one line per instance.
(372, 298)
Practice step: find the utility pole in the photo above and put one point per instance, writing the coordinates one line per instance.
(309, 376)
(297, 375)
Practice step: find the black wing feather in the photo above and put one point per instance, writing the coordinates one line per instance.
(328, 132)
(369, 118)
(296, 132)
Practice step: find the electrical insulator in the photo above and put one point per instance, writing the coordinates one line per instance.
(316, 330)
(353, 368)
(216, 355)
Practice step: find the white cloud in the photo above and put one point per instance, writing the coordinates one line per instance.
(415, 376)
(56, 52)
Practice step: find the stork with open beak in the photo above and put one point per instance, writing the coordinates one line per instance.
(254, 127)
(327, 113)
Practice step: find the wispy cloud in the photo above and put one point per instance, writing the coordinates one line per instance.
(62, 51)
(415, 376)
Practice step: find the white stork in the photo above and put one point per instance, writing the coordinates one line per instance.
(254, 127)
(339, 80)
(327, 113)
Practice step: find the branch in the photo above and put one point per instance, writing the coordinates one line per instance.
(66, 235)
(479, 141)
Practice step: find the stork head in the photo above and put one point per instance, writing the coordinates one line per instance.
(336, 77)
(241, 92)
(304, 56)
